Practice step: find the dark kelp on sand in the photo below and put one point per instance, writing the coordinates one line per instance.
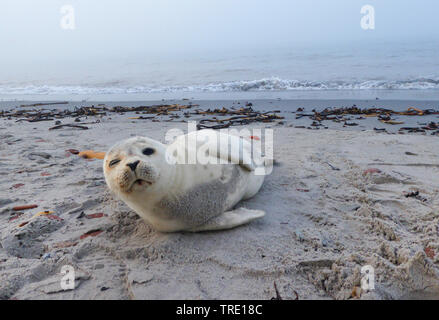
(240, 116)
(386, 116)
(221, 117)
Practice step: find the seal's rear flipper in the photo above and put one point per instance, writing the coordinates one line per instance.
(230, 219)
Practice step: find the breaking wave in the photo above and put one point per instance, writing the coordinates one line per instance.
(268, 84)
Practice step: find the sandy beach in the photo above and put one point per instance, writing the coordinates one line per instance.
(339, 198)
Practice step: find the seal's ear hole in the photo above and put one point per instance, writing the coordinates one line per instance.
(148, 151)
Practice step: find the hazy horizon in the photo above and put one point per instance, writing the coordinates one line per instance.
(126, 28)
(144, 46)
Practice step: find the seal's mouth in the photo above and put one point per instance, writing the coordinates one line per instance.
(139, 183)
(142, 182)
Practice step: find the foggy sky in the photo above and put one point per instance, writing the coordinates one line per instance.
(30, 30)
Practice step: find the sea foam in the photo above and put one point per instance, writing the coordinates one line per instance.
(267, 84)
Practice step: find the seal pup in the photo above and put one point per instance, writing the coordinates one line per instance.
(162, 185)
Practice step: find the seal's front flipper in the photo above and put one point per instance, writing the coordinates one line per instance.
(230, 219)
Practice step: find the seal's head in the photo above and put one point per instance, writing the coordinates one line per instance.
(134, 166)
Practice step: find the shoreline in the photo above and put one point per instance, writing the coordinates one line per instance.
(382, 94)
(283, 104)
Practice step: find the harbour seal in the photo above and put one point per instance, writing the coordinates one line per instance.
(162, 185)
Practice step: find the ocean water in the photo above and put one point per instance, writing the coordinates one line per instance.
(404, 69)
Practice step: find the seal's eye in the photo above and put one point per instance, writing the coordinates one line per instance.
(148, 151)
(114, 162)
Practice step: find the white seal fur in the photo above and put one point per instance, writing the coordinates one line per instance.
(156, 182)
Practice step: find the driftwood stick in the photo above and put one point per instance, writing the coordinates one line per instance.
(68, 125)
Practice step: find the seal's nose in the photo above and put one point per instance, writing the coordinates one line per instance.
(133, 165)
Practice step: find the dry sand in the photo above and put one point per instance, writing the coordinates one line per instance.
(326, 218)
